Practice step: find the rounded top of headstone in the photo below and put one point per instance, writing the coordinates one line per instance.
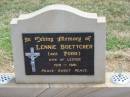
(59, 7)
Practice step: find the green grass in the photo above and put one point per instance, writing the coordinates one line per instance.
(117, 13)
(115, 42)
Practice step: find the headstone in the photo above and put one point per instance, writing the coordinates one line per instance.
(59, 44)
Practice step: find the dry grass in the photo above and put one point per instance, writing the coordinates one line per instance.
(118, 60)
(5, 62)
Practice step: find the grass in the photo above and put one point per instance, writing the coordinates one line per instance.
(117, 13)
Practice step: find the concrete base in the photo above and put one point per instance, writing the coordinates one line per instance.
(65, 90)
